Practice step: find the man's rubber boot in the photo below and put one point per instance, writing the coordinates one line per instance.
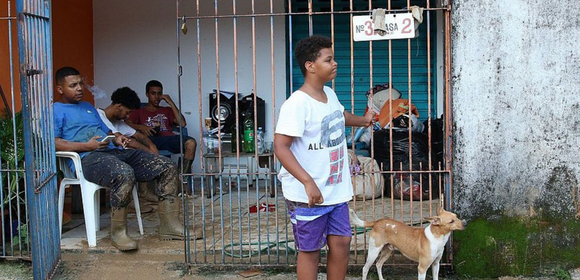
(170, 227)
(119, 237)
(147, 192)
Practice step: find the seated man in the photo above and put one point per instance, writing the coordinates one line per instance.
(124, 101)
(78, 128)
(157, 122)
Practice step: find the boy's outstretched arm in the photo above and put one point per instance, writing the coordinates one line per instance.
(354, 120)
(282, 150)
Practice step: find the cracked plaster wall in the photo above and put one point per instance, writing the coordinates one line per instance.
(516, 99)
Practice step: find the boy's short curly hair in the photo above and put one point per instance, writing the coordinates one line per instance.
(308, 49)
(126, 97)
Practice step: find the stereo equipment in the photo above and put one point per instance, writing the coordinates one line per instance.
(226, 112)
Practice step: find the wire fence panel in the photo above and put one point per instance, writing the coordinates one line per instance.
(236, 59)
(14, 221)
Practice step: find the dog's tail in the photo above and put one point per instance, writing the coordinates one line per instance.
(354, 220)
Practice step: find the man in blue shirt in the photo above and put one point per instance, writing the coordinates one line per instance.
(79, 128)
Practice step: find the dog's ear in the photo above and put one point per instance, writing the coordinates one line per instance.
(434, 220)
(439, 210)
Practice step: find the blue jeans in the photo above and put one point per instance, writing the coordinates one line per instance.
(170, 143)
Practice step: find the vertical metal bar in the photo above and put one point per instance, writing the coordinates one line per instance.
(310, 24)
(200, 117)
(273, 98)
(390, 104)
(351, 49)
(371, 82)
(237, 118)
(448, 117)
(255, 104)
(429, 114)
(290, 55)
(291, 46)
(219, 160)
(187, 177)
(448, 111)
(333, 39)
(410, 131)
(12, 113)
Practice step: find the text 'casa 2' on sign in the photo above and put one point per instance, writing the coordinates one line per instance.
(397, 26)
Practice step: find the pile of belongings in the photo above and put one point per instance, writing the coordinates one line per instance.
(394, 118)
(391, 109)
(368, 181)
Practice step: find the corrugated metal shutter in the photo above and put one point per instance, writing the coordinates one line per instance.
(400, 55)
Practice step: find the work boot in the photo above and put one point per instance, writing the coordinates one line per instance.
(119, 237)
(147, 192)
(170, 227)
(143, 207)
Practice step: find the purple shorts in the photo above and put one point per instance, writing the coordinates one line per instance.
(312, 225)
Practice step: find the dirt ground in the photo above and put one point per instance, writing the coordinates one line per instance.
(123, 267)
(130, 267)
(165, 260)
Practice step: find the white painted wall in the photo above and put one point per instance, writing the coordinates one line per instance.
(136, 41)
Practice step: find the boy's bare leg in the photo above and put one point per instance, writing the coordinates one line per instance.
(338, 254)
(307, 265)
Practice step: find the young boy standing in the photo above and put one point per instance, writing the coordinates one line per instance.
(311, 146)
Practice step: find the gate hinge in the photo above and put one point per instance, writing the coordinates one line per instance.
(32, 72)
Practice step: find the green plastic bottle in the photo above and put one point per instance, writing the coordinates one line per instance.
(249, 137)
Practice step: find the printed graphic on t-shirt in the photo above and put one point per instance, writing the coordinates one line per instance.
(336, 166)
(157, 121)
(331, 132)
(331, 138)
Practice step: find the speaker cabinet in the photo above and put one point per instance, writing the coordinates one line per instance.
(226, 112)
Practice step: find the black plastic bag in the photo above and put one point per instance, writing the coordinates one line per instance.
(408, 182)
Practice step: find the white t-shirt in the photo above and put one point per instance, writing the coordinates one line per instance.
(117, 125)
(319, 146)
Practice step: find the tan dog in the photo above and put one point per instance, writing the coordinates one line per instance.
(423, 245)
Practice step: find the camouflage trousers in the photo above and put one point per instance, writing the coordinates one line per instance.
(121, 169)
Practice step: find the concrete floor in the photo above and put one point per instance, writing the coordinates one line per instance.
(225, 221)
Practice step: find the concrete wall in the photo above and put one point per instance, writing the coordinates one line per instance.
(136, 42)
(516, 107)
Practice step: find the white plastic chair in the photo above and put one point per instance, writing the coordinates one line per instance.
(89, 193)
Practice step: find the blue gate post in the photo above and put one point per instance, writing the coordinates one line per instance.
(35, 50)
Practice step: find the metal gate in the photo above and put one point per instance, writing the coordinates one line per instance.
(236, 57)
(35, 51)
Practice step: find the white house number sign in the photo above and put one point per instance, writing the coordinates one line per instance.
(398, 26)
